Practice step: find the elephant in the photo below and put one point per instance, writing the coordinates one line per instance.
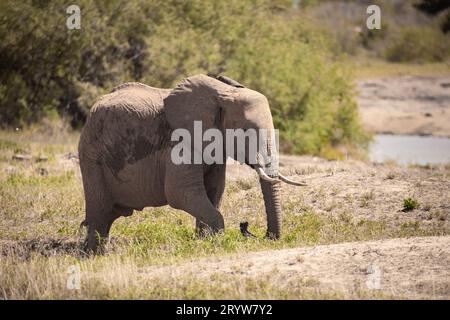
(125, 153)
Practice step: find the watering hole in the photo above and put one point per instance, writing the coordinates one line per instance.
(410, 149)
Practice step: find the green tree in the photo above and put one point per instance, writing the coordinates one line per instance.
(264, 44)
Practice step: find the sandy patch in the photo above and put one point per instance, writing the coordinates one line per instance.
(404, 268)
(406, 105)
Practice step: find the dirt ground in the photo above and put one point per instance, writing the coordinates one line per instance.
(417, 267)
(414, 268)
(417, 105)
(364, 190)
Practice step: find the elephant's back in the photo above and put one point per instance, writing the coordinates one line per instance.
(133, 98)
(125, 126)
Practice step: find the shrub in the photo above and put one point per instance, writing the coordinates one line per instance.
(416, 44)
(410, 204)
(263, 44)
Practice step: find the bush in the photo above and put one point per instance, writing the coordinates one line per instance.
(410, 204)
(261, 43)
(416, 44)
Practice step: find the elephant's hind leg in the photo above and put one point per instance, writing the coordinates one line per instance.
(99, 207)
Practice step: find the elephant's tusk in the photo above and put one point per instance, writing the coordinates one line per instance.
(289, 181)
(264, 176)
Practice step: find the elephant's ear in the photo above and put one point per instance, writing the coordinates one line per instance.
(197, 98)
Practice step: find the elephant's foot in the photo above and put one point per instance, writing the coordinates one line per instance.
(271, 235)
(97, 240)
(205, 230)
(95, 246)
(207, 233)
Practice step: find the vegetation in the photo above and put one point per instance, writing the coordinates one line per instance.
(48, 69)
(410, 204)
(418, 44)
(379, 68)
(411, 31)
(271, 46)
(43, 205)
(48, 72)
(436, 7)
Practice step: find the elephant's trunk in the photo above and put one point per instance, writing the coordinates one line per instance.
(271, 193)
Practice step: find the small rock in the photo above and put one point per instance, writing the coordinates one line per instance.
(371, 85)
(21, 157)
(11, 170)
(43, 172)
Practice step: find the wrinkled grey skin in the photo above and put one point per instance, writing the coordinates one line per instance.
(125, 152)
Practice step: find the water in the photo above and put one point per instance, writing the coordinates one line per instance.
(405, 149)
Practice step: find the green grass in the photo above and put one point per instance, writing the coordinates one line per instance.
(17, 179)
(410, 204)
(10, 145)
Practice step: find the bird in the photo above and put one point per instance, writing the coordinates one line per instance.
(243, 226)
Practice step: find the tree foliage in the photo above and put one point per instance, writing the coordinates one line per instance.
(264, 44)
(432, 6)
(435, 7)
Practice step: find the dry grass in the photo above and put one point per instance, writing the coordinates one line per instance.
(117, 277)
(366, 68)
(42, 206)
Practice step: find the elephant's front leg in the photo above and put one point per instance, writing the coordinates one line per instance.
(185, 190)
(214, 182)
